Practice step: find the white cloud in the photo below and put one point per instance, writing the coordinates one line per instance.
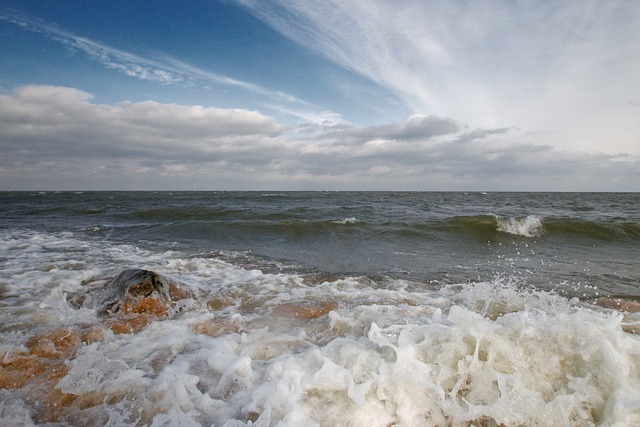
(167, 70)
(56, 138)
(44, 122)
(566, 68)
(416, 127)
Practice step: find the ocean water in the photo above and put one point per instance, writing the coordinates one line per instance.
(322, 309)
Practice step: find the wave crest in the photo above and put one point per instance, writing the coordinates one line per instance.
(345, 221)
(529, 226)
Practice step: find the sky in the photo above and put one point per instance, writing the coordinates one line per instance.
(418, 95)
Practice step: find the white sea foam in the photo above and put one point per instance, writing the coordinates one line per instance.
(13, 411)
(529, 226)
(345, 221)
(391, 353)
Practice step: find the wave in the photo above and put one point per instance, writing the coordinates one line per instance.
(351, 220)
(297, 227)
(529, 226)
(614, 230)
(245, 345)
(209, 221)
(193, 213)
(490, 225)
(533, 226)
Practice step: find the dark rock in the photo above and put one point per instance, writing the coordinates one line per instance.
(136, 282)
(128, 287)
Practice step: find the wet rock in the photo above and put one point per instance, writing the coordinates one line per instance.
(131, 300)
(131, 285)
(220, 303)
(92, 334)
(628, 307)
(304, 311)
(620, 304)
(216, 328)
(484, 422)
(253, 416)
(38, 371)
(60, 344)
(16, 370)
(140, 283)
(126, 304)
(45, 359)
(133, 316)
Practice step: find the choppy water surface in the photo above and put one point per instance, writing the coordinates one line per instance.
(324, 309)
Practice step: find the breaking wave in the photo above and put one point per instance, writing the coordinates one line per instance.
(245, 346)
(529, 226)
(345, 221)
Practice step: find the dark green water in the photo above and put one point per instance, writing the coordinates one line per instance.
(571, 242)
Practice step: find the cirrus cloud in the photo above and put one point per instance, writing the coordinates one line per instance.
(568, 69)
(167, 70)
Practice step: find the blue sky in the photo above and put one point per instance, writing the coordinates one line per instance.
(297, 95)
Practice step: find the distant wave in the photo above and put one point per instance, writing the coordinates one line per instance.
(614, 230)
(273, 195)
(191, 213)
(302, 222)
(344, 221)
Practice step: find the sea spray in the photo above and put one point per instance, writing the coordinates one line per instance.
(529, 226)
(398, 354)
(422, 312)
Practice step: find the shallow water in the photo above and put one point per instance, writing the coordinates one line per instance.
(323, 309)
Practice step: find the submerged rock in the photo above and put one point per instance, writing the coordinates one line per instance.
(131, 300)
(304, 312)
(131, 285)
(127, 289)
(125, 303)
(136, 282)
(620, 304)
(630, 309)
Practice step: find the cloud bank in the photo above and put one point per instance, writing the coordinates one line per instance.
(56, 138)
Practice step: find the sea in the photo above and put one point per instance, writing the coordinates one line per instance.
(323, 309)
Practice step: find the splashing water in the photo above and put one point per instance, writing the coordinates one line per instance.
(423, 313)
(529, 226)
